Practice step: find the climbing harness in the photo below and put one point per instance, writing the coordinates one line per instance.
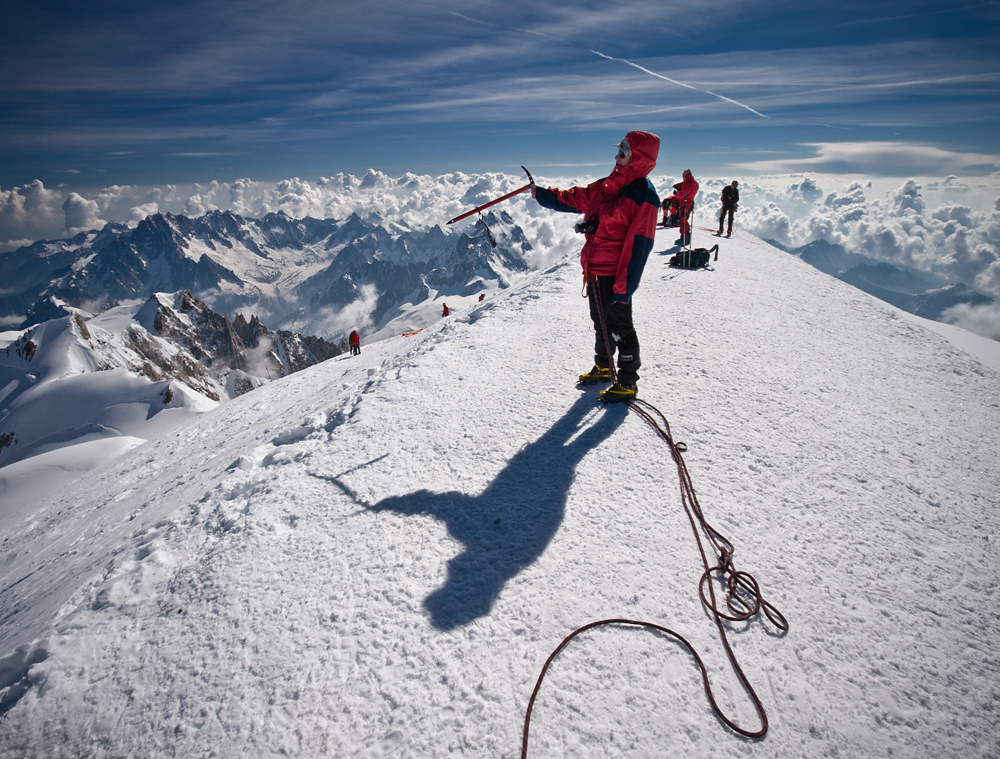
(743, 597)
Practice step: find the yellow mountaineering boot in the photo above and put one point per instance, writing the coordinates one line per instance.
(595, 375)
(618, 393)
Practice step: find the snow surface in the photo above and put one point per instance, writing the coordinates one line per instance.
(983, 349)
(79, 402)
(374, 557)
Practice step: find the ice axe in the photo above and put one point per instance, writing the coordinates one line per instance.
(479, 209)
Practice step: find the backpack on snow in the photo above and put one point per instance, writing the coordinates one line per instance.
(694, 259)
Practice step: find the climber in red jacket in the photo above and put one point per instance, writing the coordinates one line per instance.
(686, 191)
(620, 213)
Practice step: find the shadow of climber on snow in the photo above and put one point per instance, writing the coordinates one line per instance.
(507, 527)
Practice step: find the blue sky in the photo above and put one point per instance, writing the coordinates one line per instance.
(108, 92)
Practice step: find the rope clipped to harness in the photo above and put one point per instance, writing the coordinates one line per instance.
(742, 601)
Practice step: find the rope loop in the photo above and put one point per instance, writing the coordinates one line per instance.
(743, 598)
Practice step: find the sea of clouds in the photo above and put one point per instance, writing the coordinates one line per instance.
(926, 226)
(949, 227)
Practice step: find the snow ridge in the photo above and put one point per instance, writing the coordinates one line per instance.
(78, 389)
(374, 556)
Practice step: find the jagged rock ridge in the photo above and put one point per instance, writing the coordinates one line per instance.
(210, 344)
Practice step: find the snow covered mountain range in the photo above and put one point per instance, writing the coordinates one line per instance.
(298, 274)
(374, 557)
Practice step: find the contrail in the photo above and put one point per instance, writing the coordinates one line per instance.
(620, 60)
(681, 84)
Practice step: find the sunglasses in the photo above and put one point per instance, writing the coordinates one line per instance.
(624, 151)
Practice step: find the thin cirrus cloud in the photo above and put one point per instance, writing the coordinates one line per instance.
(286, 87)
(876, 158)
(898, 84)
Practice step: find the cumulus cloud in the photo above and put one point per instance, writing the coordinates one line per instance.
(951, 187)
(988, 280)
(852, 195)
(31, 211)
(954, 241)
(951, 212)
(34, 212)
(897, 223)
(981, 320)
(807, 189)
(768, 222)
(138, 213)
(907, 199)
(198, 205)
(412, 201)
(81, 214)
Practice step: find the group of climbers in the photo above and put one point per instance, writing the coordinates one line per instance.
(678, 207)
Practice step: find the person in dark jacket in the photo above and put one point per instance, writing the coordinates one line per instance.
(620, 214)
(730, 199)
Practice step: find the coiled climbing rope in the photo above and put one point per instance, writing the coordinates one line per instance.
(743, 597)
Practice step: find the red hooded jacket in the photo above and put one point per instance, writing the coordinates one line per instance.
(686, 190)
(625, 206)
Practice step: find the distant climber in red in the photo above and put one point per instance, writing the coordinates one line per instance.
(686, 190)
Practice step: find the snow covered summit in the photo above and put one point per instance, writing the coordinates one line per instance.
(77, 390)
(375, 556)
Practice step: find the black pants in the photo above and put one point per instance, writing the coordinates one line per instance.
(621, 332)
(722, 215)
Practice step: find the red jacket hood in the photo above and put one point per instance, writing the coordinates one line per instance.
(645, 149)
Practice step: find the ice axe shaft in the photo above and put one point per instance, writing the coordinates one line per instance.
(483, 207)
(480, 209)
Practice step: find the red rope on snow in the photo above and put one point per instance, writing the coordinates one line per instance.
(743, 598)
